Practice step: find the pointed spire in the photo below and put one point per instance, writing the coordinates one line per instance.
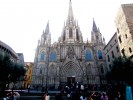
(70, 12)
(98, 29)
(94, 27)
(47, 28)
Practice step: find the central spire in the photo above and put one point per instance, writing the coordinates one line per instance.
(70, 13)
(94, 27)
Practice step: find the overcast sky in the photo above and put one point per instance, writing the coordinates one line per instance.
(23, 21)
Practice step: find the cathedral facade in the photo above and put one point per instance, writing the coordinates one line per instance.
(70, 59)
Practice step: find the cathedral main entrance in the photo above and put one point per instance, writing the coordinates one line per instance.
(70, 80)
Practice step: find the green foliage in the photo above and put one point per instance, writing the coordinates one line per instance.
(122, 70)
(10, 71)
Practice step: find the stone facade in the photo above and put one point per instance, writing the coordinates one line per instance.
(112, 50)
(124, 25)
(28, 75)
(70, 59)
(121, 44)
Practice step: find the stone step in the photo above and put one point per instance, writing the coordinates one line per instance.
(39, 98)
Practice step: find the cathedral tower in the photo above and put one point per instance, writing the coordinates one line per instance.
(71, 31)
(96, 36)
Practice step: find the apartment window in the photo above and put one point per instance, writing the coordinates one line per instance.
(123, 52)
(108, 58)
(130, 50)
(30, 72)
(117, 49)
(112, 54)
(126, 36)
(117, 30)
(120, 39)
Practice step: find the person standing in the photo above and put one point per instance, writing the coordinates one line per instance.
(46, 96)
(28, 88)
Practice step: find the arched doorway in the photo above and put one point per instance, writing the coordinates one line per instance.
(71, 72)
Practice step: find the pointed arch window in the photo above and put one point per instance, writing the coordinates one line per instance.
(77, 34)
(70, 33)
(100, 55)
(102, 70)
(88, 70)
(64, 35)
(130, 50)
(88, 55)
(41, 69)
(52, 56)
(42, 58)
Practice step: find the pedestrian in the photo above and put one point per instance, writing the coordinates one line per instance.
(13, 96)
(28, 88)
(104, 96)
(69, 96)
(46, 96)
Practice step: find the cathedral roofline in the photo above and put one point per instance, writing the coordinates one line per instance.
(70, 13)
(94, 27)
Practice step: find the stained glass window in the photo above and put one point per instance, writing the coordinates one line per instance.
(100, 55)
(88, 55)
(42, 56)
(52, 56)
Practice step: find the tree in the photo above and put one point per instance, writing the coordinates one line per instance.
(122, 70)
(9, 71)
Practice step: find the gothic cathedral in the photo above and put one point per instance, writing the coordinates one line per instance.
(70, 59)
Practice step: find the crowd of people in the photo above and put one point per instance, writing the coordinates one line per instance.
(12, 96)
(76, 91)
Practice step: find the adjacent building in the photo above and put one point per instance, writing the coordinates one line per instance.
(28, 75)
(69, 59)
(14, 57)
(124, 25)
(121, 44)
(21, 58)
(112, 50)
(6, 49)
